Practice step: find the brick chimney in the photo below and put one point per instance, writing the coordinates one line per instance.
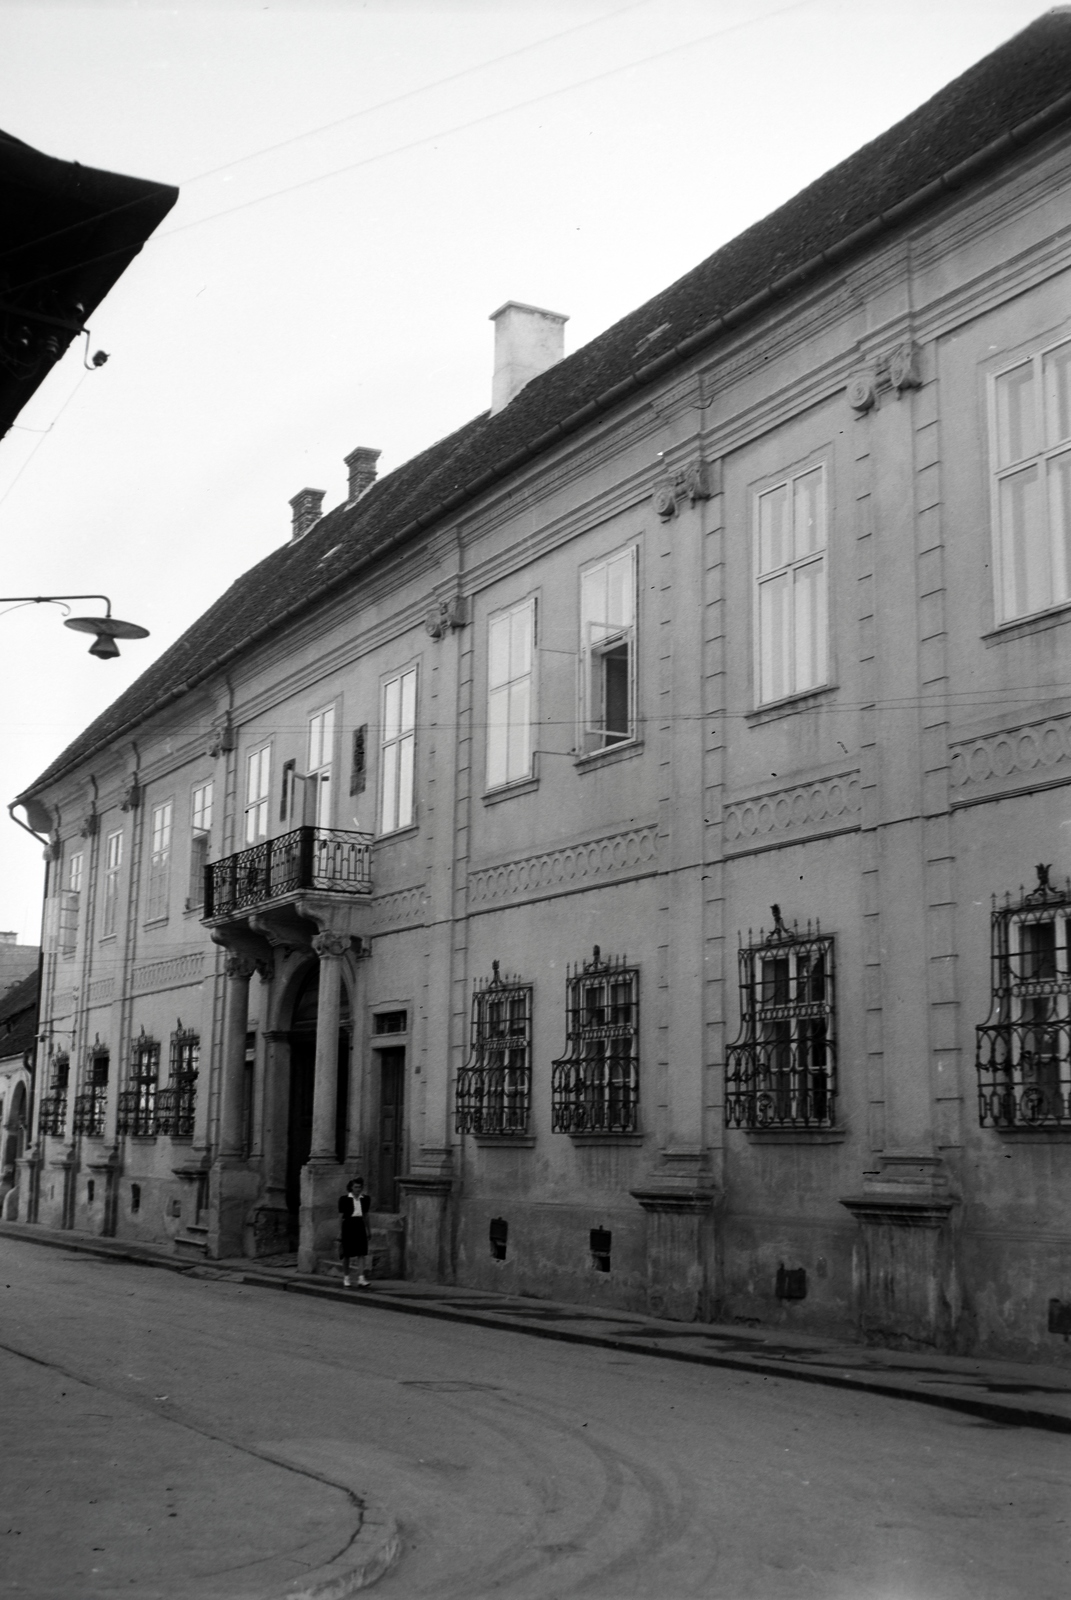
(361, 465)
(528, 340)
(306, 506)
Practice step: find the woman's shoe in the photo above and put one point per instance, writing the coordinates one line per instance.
(345, 1283)
(363, 1283)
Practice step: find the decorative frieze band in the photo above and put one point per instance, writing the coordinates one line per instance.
(403, 909)
(618, 855)
(100, 991)
(174, 973)
(828, 805)
(1017, 758)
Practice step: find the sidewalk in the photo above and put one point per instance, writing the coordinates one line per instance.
(1010, 1393)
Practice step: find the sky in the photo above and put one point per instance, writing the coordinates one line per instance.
(361, 185)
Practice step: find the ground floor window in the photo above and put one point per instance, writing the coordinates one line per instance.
(781, 1069)
(137, 1104)
(1023, 1055)
(595, 1085)
(494, 1086)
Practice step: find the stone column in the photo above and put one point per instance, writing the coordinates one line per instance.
(239, 970)
(321, 1174)
(330, 948)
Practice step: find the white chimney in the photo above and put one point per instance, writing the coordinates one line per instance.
(528, 340)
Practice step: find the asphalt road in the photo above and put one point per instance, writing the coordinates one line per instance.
(165, 1438)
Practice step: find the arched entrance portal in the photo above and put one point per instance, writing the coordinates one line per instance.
(302, 1079)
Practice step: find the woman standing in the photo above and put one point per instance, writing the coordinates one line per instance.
(354, 1207)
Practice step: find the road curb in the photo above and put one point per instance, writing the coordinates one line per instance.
(373, 1552)
(883, 1385)
(988, 1410)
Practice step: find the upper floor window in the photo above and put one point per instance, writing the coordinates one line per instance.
(781, 1069)
(159, 860)
(200, 841)
(595, 1086)
(321, 753)
(1031, 445)
(510, 645)
(257, 792)
(397, 751)
(790, 597)
(113, 862)
(608, 652)
(1023, 1052)
(70, 899)
(494, 1086)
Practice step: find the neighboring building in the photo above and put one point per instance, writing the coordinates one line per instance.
(18, 1032)
(70, 232)
(607, 831)
(17, 961)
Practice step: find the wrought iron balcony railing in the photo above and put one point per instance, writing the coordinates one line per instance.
(89, 1110)
(175, 1107)
(1024, 1074)
(137, 1111)
(332, 859)
(54, 1112)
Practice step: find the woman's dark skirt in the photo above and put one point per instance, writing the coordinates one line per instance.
(354, 1240)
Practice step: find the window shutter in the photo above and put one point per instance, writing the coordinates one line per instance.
(358, 769)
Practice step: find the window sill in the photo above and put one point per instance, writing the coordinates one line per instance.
(793, 1135)
(191, 910)
(790, 706)
(107, 938)
(1034, 1135)
(508, 791)
(1021, 626)
(604, 758)
(505, 1141)
(607, 1138)
(156, 922)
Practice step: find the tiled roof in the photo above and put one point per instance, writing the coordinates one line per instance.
(1019, 91)
(18, 1016)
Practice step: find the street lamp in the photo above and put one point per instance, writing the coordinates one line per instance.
(106, 629)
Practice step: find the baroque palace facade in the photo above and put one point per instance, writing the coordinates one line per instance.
(634, 833)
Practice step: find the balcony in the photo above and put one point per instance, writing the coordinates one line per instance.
(330, 861)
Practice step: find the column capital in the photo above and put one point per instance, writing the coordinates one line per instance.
(330, 946)
(239, 967)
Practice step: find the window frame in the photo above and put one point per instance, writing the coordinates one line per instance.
(493, 1096)
(819, 555)
(594, 737)
(595, 1090)
(158, 877)
(321, 774)
(257, 817)
(393, 755)
(493, 785)
(200, 840)
(1023, 1049)
(109, 907)
(777, 1075)
(137, 1103)
(1038, 460)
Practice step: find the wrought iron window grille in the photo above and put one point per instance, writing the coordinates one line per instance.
(495, 1084)
(137, 1104)
(1023, 1054)
(54, 1103)
(90, 1105)
(595, 1085)
(781, 1070)
(176, 1104)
